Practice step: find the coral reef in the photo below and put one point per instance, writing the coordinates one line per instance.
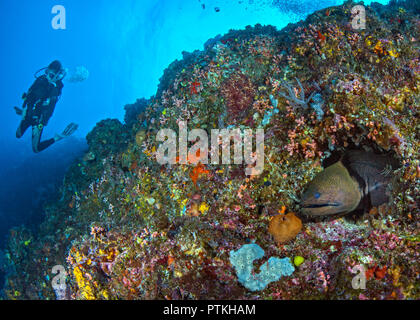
(133, 112)
(127, 227)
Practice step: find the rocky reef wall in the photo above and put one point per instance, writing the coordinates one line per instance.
(130, 228)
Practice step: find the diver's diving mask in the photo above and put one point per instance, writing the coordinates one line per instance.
(54, 76)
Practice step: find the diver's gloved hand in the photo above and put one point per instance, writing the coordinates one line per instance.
(18, 111)
(68, 131)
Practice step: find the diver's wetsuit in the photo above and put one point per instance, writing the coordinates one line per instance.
(40, 103)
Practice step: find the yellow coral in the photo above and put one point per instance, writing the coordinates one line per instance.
(378, 48)
(105, 294)
(84, 286)
(300, 50)
(396, 276)
(194, 250)
(393, 53)
(204, 208)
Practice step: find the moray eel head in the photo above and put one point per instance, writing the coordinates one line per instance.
(332, 191)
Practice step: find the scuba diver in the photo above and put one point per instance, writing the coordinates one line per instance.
(39, 104)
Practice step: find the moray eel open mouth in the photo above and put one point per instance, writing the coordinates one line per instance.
(341, 187)
(335, 204)
(331, 192)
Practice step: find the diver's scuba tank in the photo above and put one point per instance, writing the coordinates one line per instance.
(36, 76)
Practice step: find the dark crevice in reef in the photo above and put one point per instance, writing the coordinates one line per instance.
(342, 155)
(336, 155)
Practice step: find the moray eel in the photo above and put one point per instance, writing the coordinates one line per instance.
(358, 180)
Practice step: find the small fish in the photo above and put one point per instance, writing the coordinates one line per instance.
(360, 179)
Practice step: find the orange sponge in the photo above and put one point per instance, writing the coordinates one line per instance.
(285, 227)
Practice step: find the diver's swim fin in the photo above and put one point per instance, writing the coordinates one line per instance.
(68, 131)
(18, 111)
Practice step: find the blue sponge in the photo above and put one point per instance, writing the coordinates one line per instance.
(271, 271)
